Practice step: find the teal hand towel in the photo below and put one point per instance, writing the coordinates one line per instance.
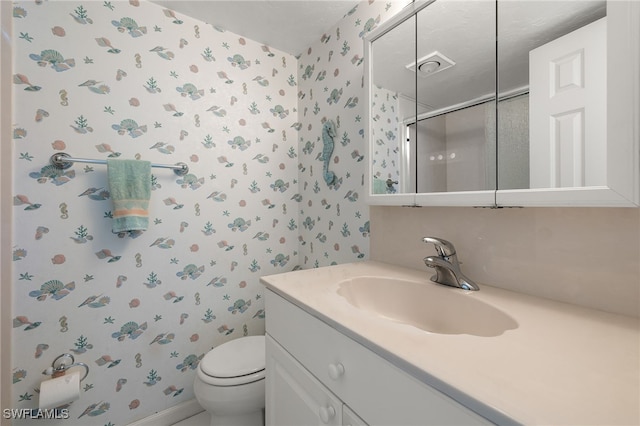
(130, 188)
(379, 186)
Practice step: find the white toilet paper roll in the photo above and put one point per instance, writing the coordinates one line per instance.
(60, 391)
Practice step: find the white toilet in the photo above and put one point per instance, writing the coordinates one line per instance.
(229, 384)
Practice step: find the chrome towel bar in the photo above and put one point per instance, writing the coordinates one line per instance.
(62, 160)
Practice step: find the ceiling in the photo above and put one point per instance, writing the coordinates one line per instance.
(287, 25)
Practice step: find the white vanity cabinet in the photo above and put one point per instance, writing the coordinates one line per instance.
(349, 418)
(317, 375)
(296, 397)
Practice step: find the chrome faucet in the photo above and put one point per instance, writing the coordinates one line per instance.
(447, 266)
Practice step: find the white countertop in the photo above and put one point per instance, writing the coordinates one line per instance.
(562, 365)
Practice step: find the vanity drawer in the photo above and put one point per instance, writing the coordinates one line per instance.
(378, 391)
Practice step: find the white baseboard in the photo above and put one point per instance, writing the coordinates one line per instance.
(171, 415)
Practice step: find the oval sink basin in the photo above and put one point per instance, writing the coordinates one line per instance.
(431, 307)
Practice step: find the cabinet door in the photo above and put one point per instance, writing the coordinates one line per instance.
(294, 397)
(349, 418)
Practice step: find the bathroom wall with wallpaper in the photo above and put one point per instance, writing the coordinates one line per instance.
(334, 220)
(387, 138)
(129, 79)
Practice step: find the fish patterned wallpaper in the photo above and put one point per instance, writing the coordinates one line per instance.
(334, 219)
(387, 139)
(118, 79)
(129, 79)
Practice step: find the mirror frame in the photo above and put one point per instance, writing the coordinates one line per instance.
(623, 126)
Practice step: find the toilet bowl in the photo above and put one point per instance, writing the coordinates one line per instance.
(229, 383)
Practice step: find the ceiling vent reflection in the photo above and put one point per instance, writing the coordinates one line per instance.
(431, 64)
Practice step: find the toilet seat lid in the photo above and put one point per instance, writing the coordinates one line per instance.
(235, 358)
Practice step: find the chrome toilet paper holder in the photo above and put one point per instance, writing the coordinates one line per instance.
(62, 363)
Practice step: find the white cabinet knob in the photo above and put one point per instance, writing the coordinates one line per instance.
(336, 370)
(327, 413)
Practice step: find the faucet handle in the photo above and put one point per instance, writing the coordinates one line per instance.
(444, 248)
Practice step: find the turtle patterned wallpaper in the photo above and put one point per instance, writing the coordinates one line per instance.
(334, 220)
(130, 79)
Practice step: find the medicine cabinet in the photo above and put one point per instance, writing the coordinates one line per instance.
(505, 103)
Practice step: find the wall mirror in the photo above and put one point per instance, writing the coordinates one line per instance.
(393, 100)
(429, 112)
(489, 103)
(452, 141)
(552, 77)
